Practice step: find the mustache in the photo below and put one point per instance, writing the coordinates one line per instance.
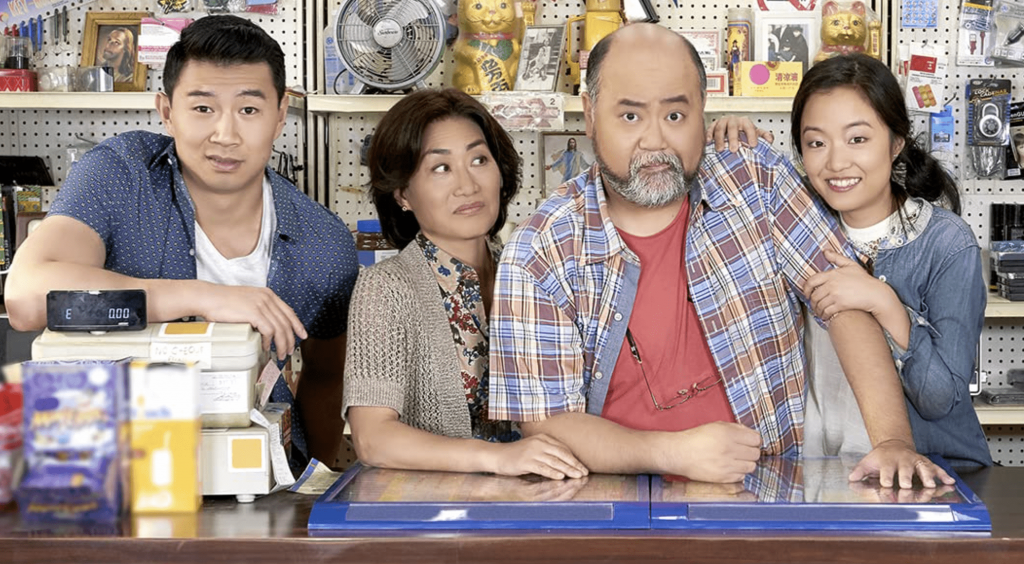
(652, 159)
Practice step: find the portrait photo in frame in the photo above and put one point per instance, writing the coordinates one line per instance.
(111, 39)
(539, 58)
(565, 156)
(787, 37)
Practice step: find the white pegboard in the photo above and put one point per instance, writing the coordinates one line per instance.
(47, 133)
(946, 36)
(346, 179)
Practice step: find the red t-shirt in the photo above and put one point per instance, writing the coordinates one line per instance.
(670, 341)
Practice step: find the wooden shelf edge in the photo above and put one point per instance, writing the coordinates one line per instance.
(999, 415)
(380, 103)
(138, 101)
(999, 306)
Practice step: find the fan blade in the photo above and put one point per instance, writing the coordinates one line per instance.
(367, 11)
(407, 12)
(403, 63)
(356, 33)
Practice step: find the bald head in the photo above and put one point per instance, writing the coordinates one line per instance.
(642, 36)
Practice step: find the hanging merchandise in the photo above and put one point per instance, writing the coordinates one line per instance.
(171, 6)
(156, 35)
(21, 11)
(919, 13)
(236, 6)
(926, 78)
(1008, 47)
(974, 45)
(987, 125)
(942, 139)
(1015, 149)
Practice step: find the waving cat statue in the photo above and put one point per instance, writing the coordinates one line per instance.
(848, 27)
(487, 50)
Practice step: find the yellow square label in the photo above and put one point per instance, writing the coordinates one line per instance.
(246, 454)
(189, 328)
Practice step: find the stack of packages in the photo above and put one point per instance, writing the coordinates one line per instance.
(184, 410)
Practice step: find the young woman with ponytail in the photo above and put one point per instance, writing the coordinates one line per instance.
(921, 275)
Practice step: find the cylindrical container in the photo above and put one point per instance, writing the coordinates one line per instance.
(371, 246)
(19, 51)
(738, 38)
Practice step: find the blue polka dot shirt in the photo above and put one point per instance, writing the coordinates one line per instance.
(130, 191)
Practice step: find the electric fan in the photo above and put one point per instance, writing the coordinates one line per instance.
(389, 44)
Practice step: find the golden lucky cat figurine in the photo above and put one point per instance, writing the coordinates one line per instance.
(846, 28)
(487, 50)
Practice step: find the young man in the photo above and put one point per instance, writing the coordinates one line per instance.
(201, 223)
(647, 316)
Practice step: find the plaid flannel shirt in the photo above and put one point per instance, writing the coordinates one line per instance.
(566, 285)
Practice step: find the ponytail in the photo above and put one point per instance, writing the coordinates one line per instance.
(924, 177)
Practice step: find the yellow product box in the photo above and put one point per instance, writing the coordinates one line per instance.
(165, 437)
(767, 79)
(29, 199)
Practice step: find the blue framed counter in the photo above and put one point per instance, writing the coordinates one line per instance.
(273, 529)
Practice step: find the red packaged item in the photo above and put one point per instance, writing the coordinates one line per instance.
(10, 437)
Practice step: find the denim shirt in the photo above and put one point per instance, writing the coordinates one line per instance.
(936, 271)
(130, 191)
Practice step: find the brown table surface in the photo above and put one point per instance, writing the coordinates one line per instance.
(273, 529)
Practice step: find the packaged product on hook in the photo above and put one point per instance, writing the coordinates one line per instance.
(988, 125)
(976, 34)
(1008, 47)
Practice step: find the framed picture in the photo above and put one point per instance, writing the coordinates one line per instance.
(539, 58)
(565, 156)
(110, 40)
(787, 37)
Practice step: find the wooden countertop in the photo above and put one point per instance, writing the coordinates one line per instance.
(273, 529)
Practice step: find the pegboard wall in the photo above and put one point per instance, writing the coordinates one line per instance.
(346, 179)
(48, 133)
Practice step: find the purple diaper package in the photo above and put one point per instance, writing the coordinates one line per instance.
(75, 445)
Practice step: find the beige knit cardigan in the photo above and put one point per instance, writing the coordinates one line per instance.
(400, 350)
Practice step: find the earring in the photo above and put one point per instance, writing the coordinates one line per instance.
(405, 208)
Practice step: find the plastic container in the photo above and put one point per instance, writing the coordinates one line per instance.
(371, 246)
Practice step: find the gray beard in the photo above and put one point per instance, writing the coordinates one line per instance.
(654, 191)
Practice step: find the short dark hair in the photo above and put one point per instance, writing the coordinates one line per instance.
(600, 51)
(924, 176)
(397, 149)
(224, 40)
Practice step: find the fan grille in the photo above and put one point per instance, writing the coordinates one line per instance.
(390, 44)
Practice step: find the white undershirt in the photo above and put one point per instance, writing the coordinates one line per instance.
(250, 270)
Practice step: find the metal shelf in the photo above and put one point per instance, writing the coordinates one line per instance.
(999, 306)
(380, 103)
(999, 415)
(144, 101)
